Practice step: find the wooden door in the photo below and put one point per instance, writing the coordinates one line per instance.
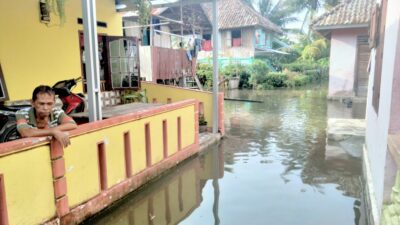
(363, 53)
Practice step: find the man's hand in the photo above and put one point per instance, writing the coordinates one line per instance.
(62, 137)
(57, 132)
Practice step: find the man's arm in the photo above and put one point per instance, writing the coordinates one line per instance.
(66, 124)
(34, 132)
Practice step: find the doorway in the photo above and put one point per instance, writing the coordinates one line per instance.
(103, 64)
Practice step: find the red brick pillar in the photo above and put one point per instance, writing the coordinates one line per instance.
(59, 179)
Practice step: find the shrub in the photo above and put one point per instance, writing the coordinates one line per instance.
(258, 72)
(314, 74)
(310, 53)
(324, 62)
(237, 70)
(205, 74)
(233, 70)
(278, 60)
(276, 79)
(316, 50)
(300, 66)
(301, 80)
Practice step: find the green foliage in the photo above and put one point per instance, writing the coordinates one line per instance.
(310, 53)
(244, 81)
(300, 66)
(316, 50)
(258, 72)
(314, 75)
(205, 74)
(233, 70)
(202, 121)
(249, 2)
(298, 80)
(301, 80)
(311, 7)
(276, 79)
(144, 8)
(279, 60)
(329, 4)
(323, 62)
(279, 13)
(237, 70)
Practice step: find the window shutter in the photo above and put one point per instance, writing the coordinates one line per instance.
(379, 57)
(373, 27)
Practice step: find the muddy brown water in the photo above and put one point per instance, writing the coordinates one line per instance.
(270, 169)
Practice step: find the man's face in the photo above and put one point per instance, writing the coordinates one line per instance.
(43, 104)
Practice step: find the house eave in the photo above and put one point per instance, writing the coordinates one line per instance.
(256, 26)
(340, 26)
(236, 27)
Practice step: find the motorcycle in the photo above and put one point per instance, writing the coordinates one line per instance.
(71, 103)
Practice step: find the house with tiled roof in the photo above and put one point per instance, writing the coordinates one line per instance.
(243, 32)
(347, 26)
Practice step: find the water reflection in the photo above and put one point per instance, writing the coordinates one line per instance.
(170, 199)
(283, 141)
(271, 168)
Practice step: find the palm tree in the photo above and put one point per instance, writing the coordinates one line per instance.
(311, 7)
(279, 13)
(248, 2)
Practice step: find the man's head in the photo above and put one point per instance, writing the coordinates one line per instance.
(43, 99)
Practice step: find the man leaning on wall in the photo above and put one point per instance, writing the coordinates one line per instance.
(43, 119)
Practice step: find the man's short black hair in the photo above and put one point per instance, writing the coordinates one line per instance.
(40, 90)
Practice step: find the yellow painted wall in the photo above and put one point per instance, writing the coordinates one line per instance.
(82, 174)
(28, 174)
(28, 186)
(163, 92)
(32, 53)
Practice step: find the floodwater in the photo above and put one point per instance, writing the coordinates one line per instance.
(270, 169)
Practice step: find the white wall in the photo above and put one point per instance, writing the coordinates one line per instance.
(132, 32)
(244, 51)
(146, 69)
(163, 40)
(377, 124)
(342, 61)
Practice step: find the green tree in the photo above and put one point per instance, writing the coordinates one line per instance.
(144, 8)
(258, 73)
(279, 13)
(316, 50)
(311, 7)
(249, 2)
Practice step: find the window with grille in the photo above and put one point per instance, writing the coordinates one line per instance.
(123, 61)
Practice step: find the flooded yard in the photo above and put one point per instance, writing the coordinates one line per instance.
(271, 168)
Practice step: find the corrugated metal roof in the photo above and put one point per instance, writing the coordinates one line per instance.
(236, 14)
(348, 13)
